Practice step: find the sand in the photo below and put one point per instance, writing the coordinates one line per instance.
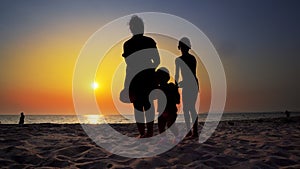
(268, 143)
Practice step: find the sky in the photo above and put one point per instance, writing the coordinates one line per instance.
(257, 41)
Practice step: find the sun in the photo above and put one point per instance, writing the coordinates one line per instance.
(95, 85)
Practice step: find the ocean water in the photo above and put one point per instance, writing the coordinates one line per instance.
(99, 119)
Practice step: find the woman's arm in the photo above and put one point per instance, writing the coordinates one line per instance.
(155, 57)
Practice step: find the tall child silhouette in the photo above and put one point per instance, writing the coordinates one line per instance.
(186, 65)
(142, 58)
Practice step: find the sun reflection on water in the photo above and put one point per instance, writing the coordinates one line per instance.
(94, 119)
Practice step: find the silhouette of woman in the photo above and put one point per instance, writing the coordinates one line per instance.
(142, 58)
(186, 65)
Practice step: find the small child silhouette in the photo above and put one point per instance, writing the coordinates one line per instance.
(167, 107)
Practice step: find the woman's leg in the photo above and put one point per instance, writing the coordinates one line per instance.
(139, 118)
(150, 114)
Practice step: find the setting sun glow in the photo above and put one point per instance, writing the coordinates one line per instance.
(95, 85)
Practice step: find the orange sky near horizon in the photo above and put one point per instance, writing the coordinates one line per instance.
(39, 78)
(42, 84)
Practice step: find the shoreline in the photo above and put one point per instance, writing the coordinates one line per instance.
(283, 119)
(125, 123)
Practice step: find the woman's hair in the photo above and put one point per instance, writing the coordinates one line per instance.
(136, 25)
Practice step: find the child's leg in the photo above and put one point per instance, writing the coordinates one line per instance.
(195, 124)
(187, 119)
(161, 124)
(172, 125)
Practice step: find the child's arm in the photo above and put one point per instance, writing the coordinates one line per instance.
(176, 71)
(177, 95)
(160, 102)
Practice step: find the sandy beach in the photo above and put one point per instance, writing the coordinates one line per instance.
(267, 143)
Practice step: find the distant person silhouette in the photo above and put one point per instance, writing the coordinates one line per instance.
(167, 114)
(186, 66)
(142, 58)
(22, 117)
(287, 113)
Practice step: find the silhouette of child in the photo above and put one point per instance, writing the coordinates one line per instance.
(186, 66)
(22, 117)
(167, 108)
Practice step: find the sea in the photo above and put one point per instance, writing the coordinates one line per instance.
(121, 119)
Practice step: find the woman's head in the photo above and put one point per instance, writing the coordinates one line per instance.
(136, 25)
